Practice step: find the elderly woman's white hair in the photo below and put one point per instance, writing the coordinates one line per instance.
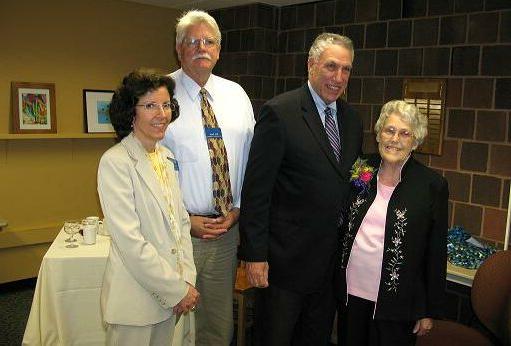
(327, 39)
(194, 17)
(410, 114)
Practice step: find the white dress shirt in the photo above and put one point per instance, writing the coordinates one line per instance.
(185, 137)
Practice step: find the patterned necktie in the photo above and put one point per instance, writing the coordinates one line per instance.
(222, 195)
(332, 133)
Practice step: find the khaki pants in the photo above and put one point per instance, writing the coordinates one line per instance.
(216, 264)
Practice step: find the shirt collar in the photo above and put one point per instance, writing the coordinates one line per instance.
(318, 101)
(193, 89)
(400, 169)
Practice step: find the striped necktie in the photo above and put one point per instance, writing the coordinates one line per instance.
(333, 133)
(222, 195)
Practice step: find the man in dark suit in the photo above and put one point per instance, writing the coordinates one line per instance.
(296, 181)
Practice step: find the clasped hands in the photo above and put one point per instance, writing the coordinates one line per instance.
(213, 228)
(188, 303)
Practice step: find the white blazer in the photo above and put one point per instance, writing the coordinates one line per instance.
(142, 282)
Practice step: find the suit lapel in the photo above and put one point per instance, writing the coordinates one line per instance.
(313, 121)
(146, 172)
(349, 132)
(343, 134)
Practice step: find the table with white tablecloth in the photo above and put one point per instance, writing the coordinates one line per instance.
(66, 308)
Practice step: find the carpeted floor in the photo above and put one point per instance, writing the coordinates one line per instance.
(15, 303)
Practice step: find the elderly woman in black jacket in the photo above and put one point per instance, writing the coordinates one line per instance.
(391, 279)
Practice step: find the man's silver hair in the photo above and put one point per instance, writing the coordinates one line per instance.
(194, 17)
(327, 39)
(409, 114)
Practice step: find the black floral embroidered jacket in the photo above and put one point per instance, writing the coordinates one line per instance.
(412, 284)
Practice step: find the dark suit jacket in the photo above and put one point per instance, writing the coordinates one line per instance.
(412, 284)
(294, 189)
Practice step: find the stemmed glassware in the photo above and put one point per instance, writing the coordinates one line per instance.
(67, 226)
(71, 228)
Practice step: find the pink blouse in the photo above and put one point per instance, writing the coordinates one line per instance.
(364, 265)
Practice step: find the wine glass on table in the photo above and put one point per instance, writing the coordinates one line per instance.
(71, 228)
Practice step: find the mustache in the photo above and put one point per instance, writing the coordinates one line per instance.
(201, 56)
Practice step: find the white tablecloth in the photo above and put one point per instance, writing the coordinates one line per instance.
(65, 309)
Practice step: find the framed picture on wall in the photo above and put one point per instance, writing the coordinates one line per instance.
(95, 108)
(33, 107)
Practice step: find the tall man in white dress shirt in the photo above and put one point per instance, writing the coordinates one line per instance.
(214, 228)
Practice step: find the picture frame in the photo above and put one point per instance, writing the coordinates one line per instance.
(33, 107)
(95, 110)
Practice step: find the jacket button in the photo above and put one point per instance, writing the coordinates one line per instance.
(173, 251)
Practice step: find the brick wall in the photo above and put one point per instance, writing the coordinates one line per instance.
(264, 48)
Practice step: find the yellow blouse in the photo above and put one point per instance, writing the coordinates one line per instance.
(160, 168)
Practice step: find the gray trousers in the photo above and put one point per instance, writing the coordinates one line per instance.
(216, 264)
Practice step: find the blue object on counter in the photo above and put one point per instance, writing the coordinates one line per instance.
(462, 252)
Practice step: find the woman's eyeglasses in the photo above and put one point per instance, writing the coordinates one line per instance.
(153, 107)
(390, 132)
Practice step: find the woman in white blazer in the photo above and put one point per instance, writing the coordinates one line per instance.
(148, 285)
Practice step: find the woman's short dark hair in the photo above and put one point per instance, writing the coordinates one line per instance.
(133, 86)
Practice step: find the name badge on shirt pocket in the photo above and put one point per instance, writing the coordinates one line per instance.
(174, 162)
(213, 132)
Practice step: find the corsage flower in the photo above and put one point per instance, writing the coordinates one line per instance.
(361, 174)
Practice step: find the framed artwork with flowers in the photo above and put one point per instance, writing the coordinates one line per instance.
(33, 107)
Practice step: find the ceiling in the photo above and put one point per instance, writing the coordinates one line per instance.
(214, 4)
